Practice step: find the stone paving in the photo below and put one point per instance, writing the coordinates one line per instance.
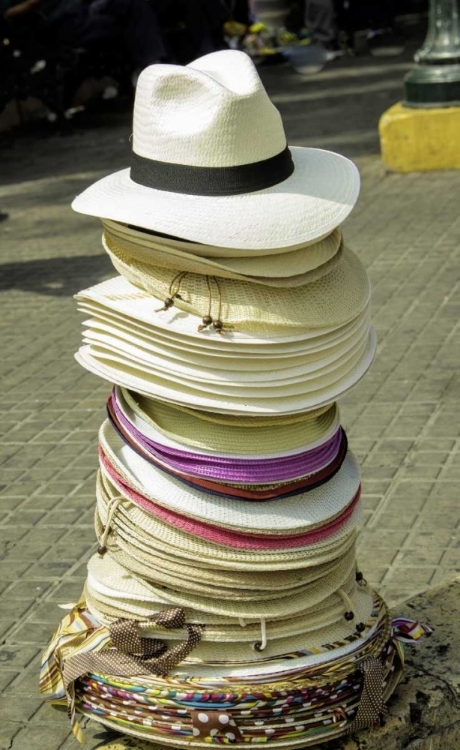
(403, 420)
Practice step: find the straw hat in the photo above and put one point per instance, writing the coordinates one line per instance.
(331, 301)
(125, 373)
(222, 357)
(224, 583)
(137, 255)
(225, 381)
(288, 515)
(295, 702)
(210, 163)
(322, 624)
(239, 260)
(174, 333)
(312, 465)
(263, 609)
(227, 435)
(122, 525)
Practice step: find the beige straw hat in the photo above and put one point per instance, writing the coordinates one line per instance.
(283, 516)
(322, 624)
(210, 163)
(137, 534)
(216, 368)
(223, 357)
(233, 345)
(155, 597)
(290, 382)
(227, 435)
(181, 574)
(307, 256)
(110, 589)
(329, 302)
(123, 372)
(137, 255)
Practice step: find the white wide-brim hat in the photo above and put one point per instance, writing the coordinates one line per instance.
(113, 368)
(210, 164)
(139, 535)
(283, 516)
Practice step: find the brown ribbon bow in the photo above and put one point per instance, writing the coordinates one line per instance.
(133, 655)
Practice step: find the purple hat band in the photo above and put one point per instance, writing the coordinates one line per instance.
(249, 471)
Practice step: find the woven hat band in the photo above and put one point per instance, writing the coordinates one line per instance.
(212, 181)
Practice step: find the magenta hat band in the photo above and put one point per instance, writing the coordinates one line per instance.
(250, 471)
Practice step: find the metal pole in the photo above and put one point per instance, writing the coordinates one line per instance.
(435, 81)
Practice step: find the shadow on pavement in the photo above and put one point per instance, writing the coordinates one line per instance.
(56, 277)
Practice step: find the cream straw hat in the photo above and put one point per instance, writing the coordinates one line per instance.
(210, 163)
(132, 318)
(309, 630)
(227, 435)
(122, 372)
(112, 589)
(229, 583)
(258, 358)
(138, 534)
(240, 260)
(137, 255)
(327, 303)
(211, 368)
(225, 583)
(284, 516)
(268, 609)
(226, 381)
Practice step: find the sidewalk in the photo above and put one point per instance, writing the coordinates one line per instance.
(403, 420)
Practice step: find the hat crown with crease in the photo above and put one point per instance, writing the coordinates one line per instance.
(193, 115)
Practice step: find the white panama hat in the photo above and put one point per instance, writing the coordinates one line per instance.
(210, 163)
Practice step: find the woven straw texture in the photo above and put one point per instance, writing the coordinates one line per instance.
(287, 515)
(332, 300)
(216, 113)
(304, 258)
(125, 373)
(137, 255)
(138, 534)
(230, 435)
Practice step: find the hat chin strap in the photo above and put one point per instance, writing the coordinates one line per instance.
(212, 181)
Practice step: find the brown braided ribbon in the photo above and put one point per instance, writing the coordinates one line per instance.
(132, 655)
(371, 706)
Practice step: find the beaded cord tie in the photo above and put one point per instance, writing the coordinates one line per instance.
(207, 320)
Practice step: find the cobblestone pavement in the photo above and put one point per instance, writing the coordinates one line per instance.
(403, 419)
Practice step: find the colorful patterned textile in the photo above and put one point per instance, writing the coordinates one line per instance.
(297, 697)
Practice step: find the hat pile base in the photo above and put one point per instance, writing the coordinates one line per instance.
(311, 695)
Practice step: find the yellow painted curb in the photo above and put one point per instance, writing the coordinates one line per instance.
(420, 140)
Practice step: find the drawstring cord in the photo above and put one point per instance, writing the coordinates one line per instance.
(114, 503)
(207, 320)
(349, 614)
(169, 301)
(262, 644)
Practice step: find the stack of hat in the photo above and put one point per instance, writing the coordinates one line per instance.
(224, 604)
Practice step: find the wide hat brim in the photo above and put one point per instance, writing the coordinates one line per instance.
(313, 201)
